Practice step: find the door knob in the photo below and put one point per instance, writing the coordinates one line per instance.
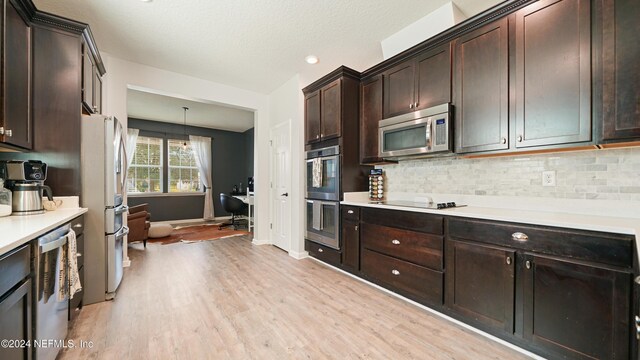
(285, 194)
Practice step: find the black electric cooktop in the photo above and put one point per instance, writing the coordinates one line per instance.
(420, 205)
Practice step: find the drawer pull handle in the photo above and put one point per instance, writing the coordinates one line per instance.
(508, 260)
(356, 227)
(78, 254)
(527, 264)
(395, 242)
(320, 250)
(77, 226)
(518, 236)
(395, 272)
(637, 321)
(350, 212)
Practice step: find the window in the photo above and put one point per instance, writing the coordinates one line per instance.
(145, 172)
(183, 172)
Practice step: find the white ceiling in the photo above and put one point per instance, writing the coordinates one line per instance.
(148, 106)
(254, 45)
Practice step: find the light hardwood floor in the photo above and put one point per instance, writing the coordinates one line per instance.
(231, 299)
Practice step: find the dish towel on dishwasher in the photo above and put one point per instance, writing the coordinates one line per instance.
(74, 276)
(317, 173)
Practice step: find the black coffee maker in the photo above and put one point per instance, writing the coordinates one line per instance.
(26, 179)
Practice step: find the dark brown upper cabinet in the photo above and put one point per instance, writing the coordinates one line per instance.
(481, 93)
(92, 72)
(370, 115)
(552, 75)
(312, 117)
(16, 128)
(323, 111)
(418, 83)
(331, 108)
(621, 70)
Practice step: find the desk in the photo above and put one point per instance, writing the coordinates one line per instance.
(248, 199)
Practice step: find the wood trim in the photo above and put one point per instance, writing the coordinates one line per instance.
(342, 71)
(539, 151)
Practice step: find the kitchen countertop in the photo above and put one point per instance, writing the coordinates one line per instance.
(18, 230)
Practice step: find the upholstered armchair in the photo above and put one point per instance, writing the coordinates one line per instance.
(138, 222)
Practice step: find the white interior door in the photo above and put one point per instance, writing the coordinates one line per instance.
(281, 186)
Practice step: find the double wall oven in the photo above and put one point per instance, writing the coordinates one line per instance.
(323, 196)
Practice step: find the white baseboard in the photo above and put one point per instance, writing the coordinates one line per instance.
(126, 263)
(299, 255)
(437, 313)
(260, 242)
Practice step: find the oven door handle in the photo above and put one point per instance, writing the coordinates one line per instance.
(52, 245)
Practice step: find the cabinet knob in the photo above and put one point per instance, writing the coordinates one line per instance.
(320, 250)
(527, 264)
(356, 227)
(78, 254)
(395, 242)
(350, 212)
(520, 237)
(9, 133)
(395, 272)
(1, 130)
(520, 138)
(508, 260)
(503, 140)
(95, 108)
(77, 226)
(415, 105)
(411, 106)
(317, 136)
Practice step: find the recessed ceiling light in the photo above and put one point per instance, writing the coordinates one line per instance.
(311, 59)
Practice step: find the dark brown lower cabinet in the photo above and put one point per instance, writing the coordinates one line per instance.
(575, 310)
(413, 281)
(323, 253)
(15, 322)
(351, 246)
(481, 283)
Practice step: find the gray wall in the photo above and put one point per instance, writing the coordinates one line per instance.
(231, 161)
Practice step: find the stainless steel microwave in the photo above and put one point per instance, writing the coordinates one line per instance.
(417, 133)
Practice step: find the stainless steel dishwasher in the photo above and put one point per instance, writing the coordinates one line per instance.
(51, 314)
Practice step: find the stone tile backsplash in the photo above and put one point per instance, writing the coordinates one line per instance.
(612, 174)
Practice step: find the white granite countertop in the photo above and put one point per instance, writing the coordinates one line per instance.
(18, 230)
(552, 213)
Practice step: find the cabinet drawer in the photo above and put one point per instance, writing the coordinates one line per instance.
(14, 267)
(605, 248)
(350, 213)
(323, 253)
(77, 225)
(427, 223)
(413, 281)
(418, 248)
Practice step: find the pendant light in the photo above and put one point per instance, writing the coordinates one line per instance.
(184, 145)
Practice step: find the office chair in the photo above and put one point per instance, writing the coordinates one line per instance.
(234, 206)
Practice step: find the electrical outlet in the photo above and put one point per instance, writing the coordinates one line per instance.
(548, 178)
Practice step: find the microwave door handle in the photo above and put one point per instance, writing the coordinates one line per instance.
(429, 133)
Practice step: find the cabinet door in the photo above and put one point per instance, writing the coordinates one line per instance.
(553, 73)
(331, 110)
(621, 51)
(481, 89)
(312, 117)
(575, 310)
(87, 80)
(351, 245)
(15, 317)
(433, 77)
(17, 79)
(398, 89)
(480, 284)
(370, 115)
(97, 92)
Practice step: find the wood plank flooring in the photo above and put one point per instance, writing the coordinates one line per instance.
(229, 299)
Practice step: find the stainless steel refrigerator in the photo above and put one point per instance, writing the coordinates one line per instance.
(104, 169)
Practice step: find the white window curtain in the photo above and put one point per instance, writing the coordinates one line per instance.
(130, 144)
(202, 151)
